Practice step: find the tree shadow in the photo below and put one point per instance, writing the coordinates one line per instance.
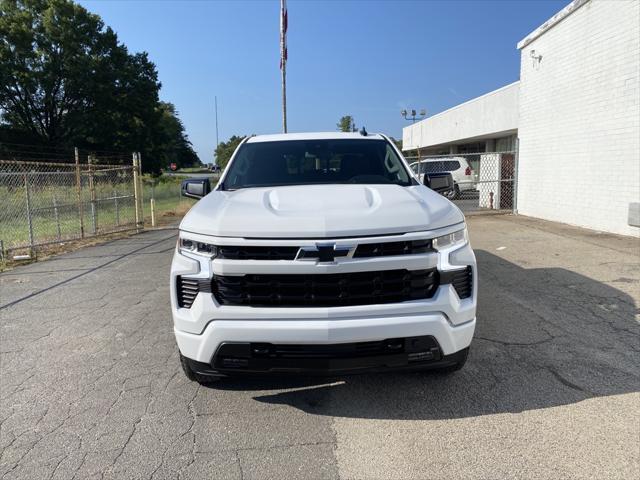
(545, 337)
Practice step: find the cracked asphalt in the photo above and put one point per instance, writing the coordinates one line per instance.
(90, 385)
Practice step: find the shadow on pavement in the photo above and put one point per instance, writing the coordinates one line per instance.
(545, 338)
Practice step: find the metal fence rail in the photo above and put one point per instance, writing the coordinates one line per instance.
(43, 203)
(483, 181)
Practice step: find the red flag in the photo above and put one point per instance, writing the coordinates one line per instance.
(283, 33)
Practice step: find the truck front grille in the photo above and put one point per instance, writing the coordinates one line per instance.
(387, 249)
(363, 250)
(341, 350)
(188, 288)
(326, 358)
(325, 290)
(462, 281)
(257, 253)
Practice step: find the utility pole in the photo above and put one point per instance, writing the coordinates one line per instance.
(216, 102)
(283, 60)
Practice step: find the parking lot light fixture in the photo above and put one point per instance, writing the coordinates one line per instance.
(412, 114)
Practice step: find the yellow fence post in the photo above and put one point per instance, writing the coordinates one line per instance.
(79, 193)
(136, 192)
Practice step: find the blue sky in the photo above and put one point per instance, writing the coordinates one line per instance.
(369, 59)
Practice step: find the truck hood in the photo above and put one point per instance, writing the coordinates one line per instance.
(320, 211)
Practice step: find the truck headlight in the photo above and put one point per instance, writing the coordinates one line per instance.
(186, 245)
(451, 240)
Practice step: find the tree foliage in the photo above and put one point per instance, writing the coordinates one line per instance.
(175, 147)
(346, 124)
(224, 150)
(66, 80)
(398, 143)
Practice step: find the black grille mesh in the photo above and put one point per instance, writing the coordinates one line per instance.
(325, 290)
(387, 249)
(257, 253)
(363, 250)
(188, 288)
(462, 281)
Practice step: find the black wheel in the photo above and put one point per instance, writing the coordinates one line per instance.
(462, 359)
(193, 376)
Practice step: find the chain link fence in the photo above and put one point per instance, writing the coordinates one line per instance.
(162, 196)
(483, 181)
(44, 203)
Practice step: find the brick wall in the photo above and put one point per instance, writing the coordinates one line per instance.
(579, 126)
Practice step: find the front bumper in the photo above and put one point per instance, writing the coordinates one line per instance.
(203, 346)
(403, 354)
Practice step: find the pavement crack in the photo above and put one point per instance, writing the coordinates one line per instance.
(568, 383)
(133, 431)
(84, 457)
(237, 454)
(64, 457)
(515, 344)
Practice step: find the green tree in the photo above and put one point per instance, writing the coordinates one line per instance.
(398, 143)
(175, 146)
(65, 80)
(57, 63)
(224, 150)
(346, 124)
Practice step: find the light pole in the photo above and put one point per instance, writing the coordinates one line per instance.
(216, 107)
(410, 115)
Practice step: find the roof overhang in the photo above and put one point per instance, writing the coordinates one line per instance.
(552, 22)
(491, 115)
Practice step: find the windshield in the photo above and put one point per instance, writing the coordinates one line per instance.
(306, 162)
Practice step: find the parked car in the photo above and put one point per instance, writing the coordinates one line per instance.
(464, 177)
(321, 253)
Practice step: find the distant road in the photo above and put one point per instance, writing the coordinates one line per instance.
(212, 176)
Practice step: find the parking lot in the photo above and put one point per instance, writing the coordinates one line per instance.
(91, 386)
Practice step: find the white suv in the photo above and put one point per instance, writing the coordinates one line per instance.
(321, 253)
(464, 178)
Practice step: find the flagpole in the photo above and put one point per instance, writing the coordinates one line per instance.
(283, 62)
(284, 97)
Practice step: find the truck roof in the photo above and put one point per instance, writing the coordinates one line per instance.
(279, 137)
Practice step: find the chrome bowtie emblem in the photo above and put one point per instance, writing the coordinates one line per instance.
(324, 252)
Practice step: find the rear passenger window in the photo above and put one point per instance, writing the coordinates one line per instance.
(451, 165)
(433, 167)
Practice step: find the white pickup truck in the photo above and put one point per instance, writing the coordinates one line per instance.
(321, 253)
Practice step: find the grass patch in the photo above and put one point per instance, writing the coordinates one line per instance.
(51, 214)
(193, 170)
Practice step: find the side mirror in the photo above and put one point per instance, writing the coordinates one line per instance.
(195, 187)
(440, 182)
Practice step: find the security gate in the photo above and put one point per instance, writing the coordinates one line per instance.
(484, 182)
(46, 203)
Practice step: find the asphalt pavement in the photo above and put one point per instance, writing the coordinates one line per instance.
(90, 385)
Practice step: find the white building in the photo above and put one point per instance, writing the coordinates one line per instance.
(579, 127)
(471, 124)
(576, 113)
